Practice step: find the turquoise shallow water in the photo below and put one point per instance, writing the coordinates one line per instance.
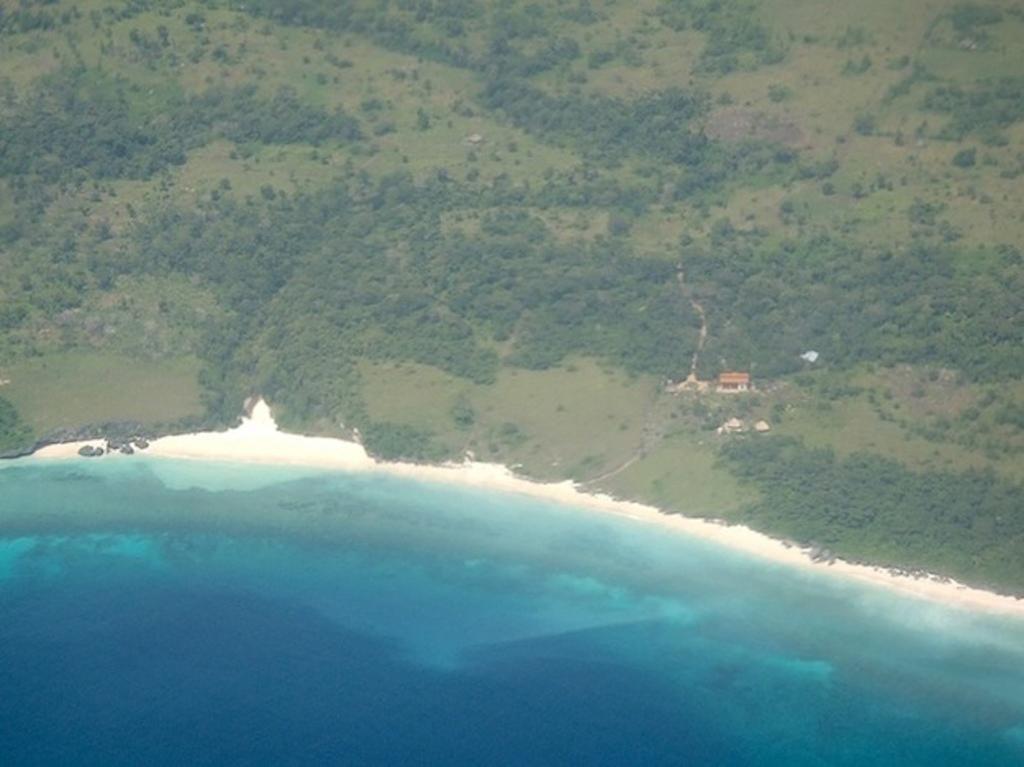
(157, 612)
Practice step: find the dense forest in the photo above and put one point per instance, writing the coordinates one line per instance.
(315, 200)
(912, 304)
(434, 298)
(14, 435)
(965, 524)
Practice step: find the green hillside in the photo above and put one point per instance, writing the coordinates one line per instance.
(498, 227)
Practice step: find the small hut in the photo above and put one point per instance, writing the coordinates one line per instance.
(732, 426)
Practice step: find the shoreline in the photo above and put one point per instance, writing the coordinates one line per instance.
(258, 440)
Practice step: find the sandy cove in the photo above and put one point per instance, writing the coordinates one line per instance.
(259, 440)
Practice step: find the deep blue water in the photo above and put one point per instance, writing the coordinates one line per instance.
(158, 613)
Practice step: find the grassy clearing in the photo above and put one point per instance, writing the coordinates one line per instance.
(578, 421)
(73, 389)
(417, 395)
(292, 168)
(923, 418)
(27, 59)
(852, 425)
(681, 474)
(574, 421)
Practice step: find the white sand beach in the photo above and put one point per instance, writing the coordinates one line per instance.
(259, 440)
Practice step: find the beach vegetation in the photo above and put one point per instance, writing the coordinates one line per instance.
(873, 509)
(15, 435)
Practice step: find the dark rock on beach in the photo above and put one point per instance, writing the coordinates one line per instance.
(821, 554)
(134, 434)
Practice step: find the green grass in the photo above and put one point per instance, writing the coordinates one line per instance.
(895, 414)
(579, 420)
(416, 395)
(574, 421)
(74, 389)
(852, 425)
(682, 475)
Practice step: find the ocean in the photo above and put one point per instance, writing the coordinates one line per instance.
(155, 612)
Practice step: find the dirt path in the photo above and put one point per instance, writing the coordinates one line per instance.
(654, 421)
(617, 470)
(650, 436)
(702, 337)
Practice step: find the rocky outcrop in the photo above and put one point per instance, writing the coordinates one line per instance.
(17, 452)
(116, 432)
(132, 435)
(821, 554)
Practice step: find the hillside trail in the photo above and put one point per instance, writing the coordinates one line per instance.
(703, 335)
(654, 421)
